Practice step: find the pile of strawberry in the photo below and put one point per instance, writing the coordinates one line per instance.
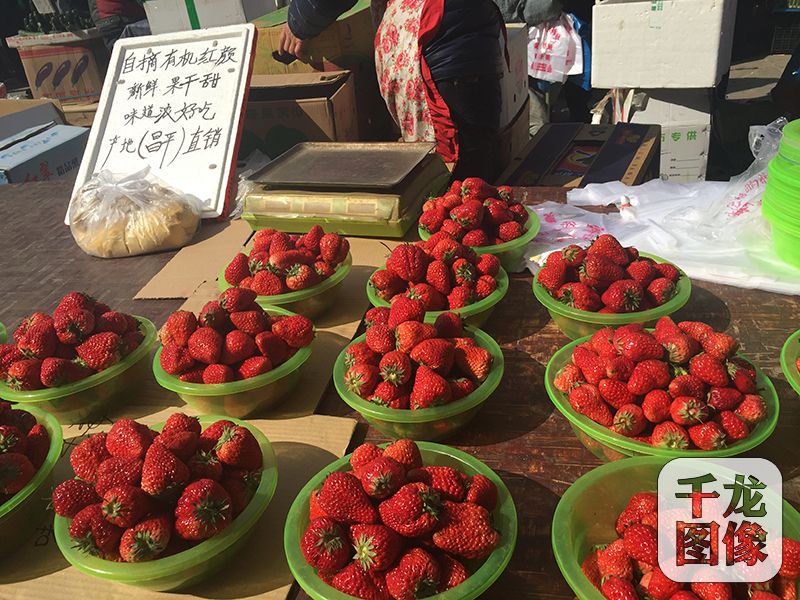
(607, 278)
(24, 445)
(680, 386)
(405, 363)
(627, 567)
(141, 495)
(393, 528)
(232, 338)
(475, 213)
(281, 263)
(81, 337)
(440, 273)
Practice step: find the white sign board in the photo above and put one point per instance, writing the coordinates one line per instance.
(174, 102)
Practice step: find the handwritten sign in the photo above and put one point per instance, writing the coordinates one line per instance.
(173, 102)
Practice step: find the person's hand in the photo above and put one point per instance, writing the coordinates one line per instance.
(291, 44)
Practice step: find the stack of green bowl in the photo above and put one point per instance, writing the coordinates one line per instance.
(781, 202)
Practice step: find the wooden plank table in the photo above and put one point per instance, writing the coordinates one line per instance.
(518, 433)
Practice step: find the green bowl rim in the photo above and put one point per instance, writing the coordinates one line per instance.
(467, 311)
(684, 286)
(50, 394)
(122, 572)
(3, 334)
(342, 269)
(559, 540)
(424, 415)
(53, 454)
(174, 384)
(788, 362)
(604, 435)
(533, 225)
(489, 571)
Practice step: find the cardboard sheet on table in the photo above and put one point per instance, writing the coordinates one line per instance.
(335, 328)
(303, 447)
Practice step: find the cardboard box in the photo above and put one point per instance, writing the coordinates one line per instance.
(69, 66)
(169, 16)
(41, 153)
(515, 80)
(575, 154)
(685, 120)
(27, 114)
(661, 43)
(80, 115)
(283, 110)
(512, 140)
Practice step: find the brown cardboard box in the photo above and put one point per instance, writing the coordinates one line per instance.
(9, 106)
(80, 115)
(283, 110)
(512, 141)
(69, 66)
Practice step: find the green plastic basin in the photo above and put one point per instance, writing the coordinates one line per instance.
(26, 510)
(3, 335)
(587, 512)
(310, 302)
(608, 446)
(191, 566)
(243, 398)
(475, 314)
(433, 423)
(789, 355)
(504, 520)
(91, 397)
(509, 253)
(785, 235)
(575, 323)
(790, 142)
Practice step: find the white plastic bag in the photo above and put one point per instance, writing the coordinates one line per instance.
(112, 217)
(555, 50)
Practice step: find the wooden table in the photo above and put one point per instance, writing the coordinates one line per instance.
(518, 433)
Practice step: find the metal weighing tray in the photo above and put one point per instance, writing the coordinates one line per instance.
(333, 165)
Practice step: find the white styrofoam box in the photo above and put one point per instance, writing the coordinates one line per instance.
(685, 119)
(515, 80)
(169, 16)
(661, 43)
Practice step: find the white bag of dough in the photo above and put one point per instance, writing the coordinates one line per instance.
(112, 217)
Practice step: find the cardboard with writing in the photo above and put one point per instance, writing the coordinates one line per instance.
(41, 153)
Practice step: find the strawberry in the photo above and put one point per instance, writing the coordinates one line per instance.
(641, 543)
(723, 398)
(241, 486)
(251, 322)
(485, 286)
(162, 472)
(203, 510)
(790, 567)
(640, 505)
(436, 354)
(273, 347)
(463, 272)
(552, 277)
(237, 447)
(237, 269)
(752, 409)
(606, 245)
(204, 465)
(405, 309)
(497, 213)
(175, 359)
(71, 496)
(438, 276)
(39, 341)
(355, 581)
(461, 387)
(178, 328)
(661, 290)
(505, 192)
(451, 572)
(377, 547)
(476, 238)
(619, 368)
(658, 585)
(734, 426)
(475, 362)
(218, 373)
(784, 587)
(460, 296)
(687, 385)
(430, 389)
(300, 277)
(182, 444)
(475, 186)
(266, 283)
(359, 353)
(656, 406)
(324, 269)
(236, 347)
(73, 326)
(325, 545)
(312, 238)
(590, 364)
(236, 299)
(178, 422)
(510, 231)
(205, 345)
(629, 420)
(395, 368)
(386, 283)
(482, 491)
(763, 595)
(616, 393)
(741, 378)
(680, 347)
(254, 366)
(361, 379)
(297, 331)
(585, 399)
(76, 300)
(35, 319)
(363, 455)
(9, 354)
(430, 297)
(416, 575)
(685, 410)
(413, 511)
(380, 339)
(38, 445)
(466, 531)
(649, 375)
(642, 271)
(446, 481)
(720, 345)
(125, 505)
(696, 330)
(667, 270)
(146, 540)
(408, 262)
(278, 242)
(333, 247)
(342, 497)
(665, 327)
(87, 456)
(469, 214)
(100, 350)
(613, 561)
(579, 295)
(707, 436)
(212, 315)
(93, 534)
(405, 452)
(599, 272)
(114, 472)
(590, 569)
(377, 315)
(568, 377)
(623, 296)
(709, 370)
(638, 346)
(713, 591)
(128, 439)
(431, 220)
(488, 264)
(114, 321)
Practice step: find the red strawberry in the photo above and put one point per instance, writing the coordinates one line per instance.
(114, 472)
(613, 561)
(431, 299)
(71, 496)
(616, 588)
(361, 379)
(300, 277)
(619, 368)
(297, 331)
(212, 315)
(376, 546)
(629, 420)
(665, 327)
(623, 296)
(446, 481)
(591, 570)
(580, 296)
(469, 214)
(436, 354)
(125, 505)
(36, 319)
(178, 422)
(477, 187)
(387, 394)
(460, 296)
(87, 456)
(386, 283)
(752, 409)
(128, 439)
(685, 410)
(599, 271)
(709, 370)
(607, 245)
(488, 264)
(742, 380)
(93, 534)
(485, 286)
(162, 472)
(482, 491)
(377, 315)
(735, 427)
(680, 347)
(722, 399)
(720, 345)
(39, 341)
(696, 330)
(667, 270)
(9, 354)
(266, 283)
(273, 347)
(343, 499)
(203, 510)
(661, 290)
(616, 393)
(175, 359)
(251, 322)
(707, 436)
(641, 543)
(638, 346)
(237, 269)
(408, 262)
(73, 326)
(552, 277)
(416, 575)
(642, 271)
(475, 362)
(363, 455)
(237, 447)
(38, 445)
(236, 347)
(147, 540)
(476, 238)
(451, 572)
(585, 399)
(438, 276)
(405, 452)
(241, 486)
(568, 377)
(236, 299)
(113, 321)
(355, 581)
(687, 385)
(658, 585)
(463, 272)
(410, 333)
(413, 511)
(790, 567)
(649, 375)
(179, 326)
(466, 531)
(640, 505)
(656, 406)
(218, 373)
(430, 389)
(431, 220)
(333, 247)
(254, 366)
(713, 591)
(380, 339)
(395, 368)
(359, 353)
(182, 444)
(325, 545)
(205, 345)
(405, 309)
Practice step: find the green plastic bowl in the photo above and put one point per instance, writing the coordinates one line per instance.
(789, 355)
(91, 397)
(190, 566)
(587, 512)
(242, 398)
(504, 519)
(310, 302)
(790, 142)
(475, 314)
(609, 446)
(24, 512)
(509, 253)
(3, 336)
(785, 236)
(427, 423)
(575, 323)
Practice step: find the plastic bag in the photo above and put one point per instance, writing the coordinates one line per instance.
(555, 50)
(112, 217)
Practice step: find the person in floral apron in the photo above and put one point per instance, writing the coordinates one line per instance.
(439, 65)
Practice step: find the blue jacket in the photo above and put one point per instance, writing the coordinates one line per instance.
(309, 18)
